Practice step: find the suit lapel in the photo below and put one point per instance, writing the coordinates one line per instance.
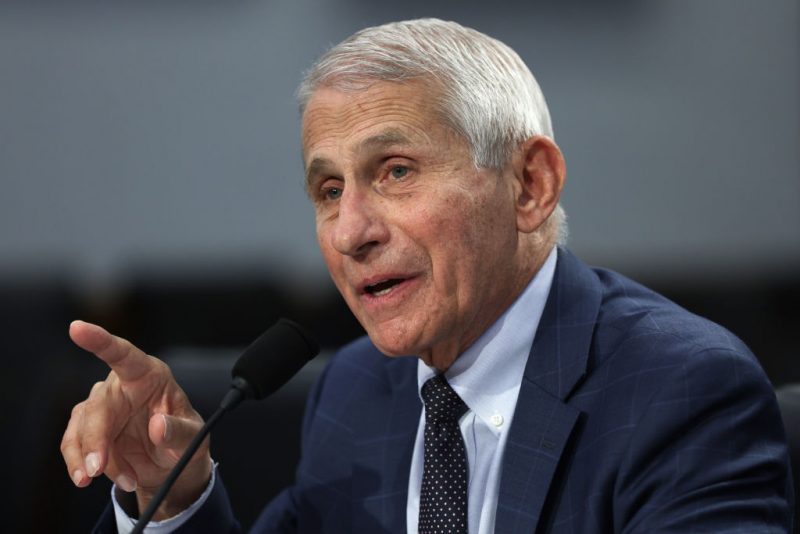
(384, 446)
(543, 422)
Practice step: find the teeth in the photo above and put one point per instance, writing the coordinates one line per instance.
(382, 288)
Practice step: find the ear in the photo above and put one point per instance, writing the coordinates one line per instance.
(540, 173)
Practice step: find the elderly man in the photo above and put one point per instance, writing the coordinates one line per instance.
(546, 396)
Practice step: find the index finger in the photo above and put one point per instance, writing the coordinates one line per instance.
(122, 356)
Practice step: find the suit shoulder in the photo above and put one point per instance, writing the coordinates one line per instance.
(634, 320)
(360, 367)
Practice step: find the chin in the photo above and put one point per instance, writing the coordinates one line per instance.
(392, 344)
(392, 349)
(401, 335)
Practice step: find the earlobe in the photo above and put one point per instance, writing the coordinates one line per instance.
(540, 171)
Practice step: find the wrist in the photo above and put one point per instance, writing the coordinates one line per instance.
(188, 488)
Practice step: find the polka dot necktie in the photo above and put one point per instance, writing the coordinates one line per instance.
(443, 498)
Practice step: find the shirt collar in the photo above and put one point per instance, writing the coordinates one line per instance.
(487, 376)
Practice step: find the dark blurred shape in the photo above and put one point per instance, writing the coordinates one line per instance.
(41, 374)
(168, 310)
(789, 401)
(159, 310)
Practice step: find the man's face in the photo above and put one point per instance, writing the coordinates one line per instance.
(422, 245)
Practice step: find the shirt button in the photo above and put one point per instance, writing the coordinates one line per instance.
(497, 419)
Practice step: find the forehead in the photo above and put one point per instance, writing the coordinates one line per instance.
(382, 114)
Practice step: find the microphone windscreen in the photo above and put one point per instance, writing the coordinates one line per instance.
(275, 357)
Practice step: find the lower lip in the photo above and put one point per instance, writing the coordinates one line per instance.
(398, 293)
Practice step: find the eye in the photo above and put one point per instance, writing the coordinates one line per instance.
(332, 193)
(398, 172)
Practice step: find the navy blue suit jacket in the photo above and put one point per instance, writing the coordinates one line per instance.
(633, 416)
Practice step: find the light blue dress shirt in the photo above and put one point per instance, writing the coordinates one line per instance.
(487, 377)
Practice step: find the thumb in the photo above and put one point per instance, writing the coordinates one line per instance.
(171, 432)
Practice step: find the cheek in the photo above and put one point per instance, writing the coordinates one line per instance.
(330, 256)
(451, 243)
(470, 245)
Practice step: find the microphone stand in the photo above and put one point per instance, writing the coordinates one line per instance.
(264, 376)
(232, 399)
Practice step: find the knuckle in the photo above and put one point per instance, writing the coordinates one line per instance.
(123, 345)
(160, 366)
(68, 443)
(112, 379)
(95, 410)
(162, 369)
(77, 410)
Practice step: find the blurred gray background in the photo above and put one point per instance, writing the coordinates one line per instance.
(151, 177)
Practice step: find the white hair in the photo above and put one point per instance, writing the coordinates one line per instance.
(484, 91)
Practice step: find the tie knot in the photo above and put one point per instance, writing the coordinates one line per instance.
(441, 402)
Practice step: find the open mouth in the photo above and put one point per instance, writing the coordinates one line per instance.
(383, 287)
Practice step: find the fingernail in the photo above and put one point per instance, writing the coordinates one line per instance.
(92, 463)
(167, 433)
(77, 476)
(126, 483)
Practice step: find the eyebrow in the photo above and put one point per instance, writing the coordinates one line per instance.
(385, 139)
(314, 168)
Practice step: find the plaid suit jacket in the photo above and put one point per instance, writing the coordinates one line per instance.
(633, 416)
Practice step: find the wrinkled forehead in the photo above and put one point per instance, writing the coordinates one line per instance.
(383, 111)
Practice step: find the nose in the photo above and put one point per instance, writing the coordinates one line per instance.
(359, 226)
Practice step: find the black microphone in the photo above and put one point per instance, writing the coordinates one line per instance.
(267, 364)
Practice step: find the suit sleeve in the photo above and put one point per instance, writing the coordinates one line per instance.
(709, 453)
(215, 515)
